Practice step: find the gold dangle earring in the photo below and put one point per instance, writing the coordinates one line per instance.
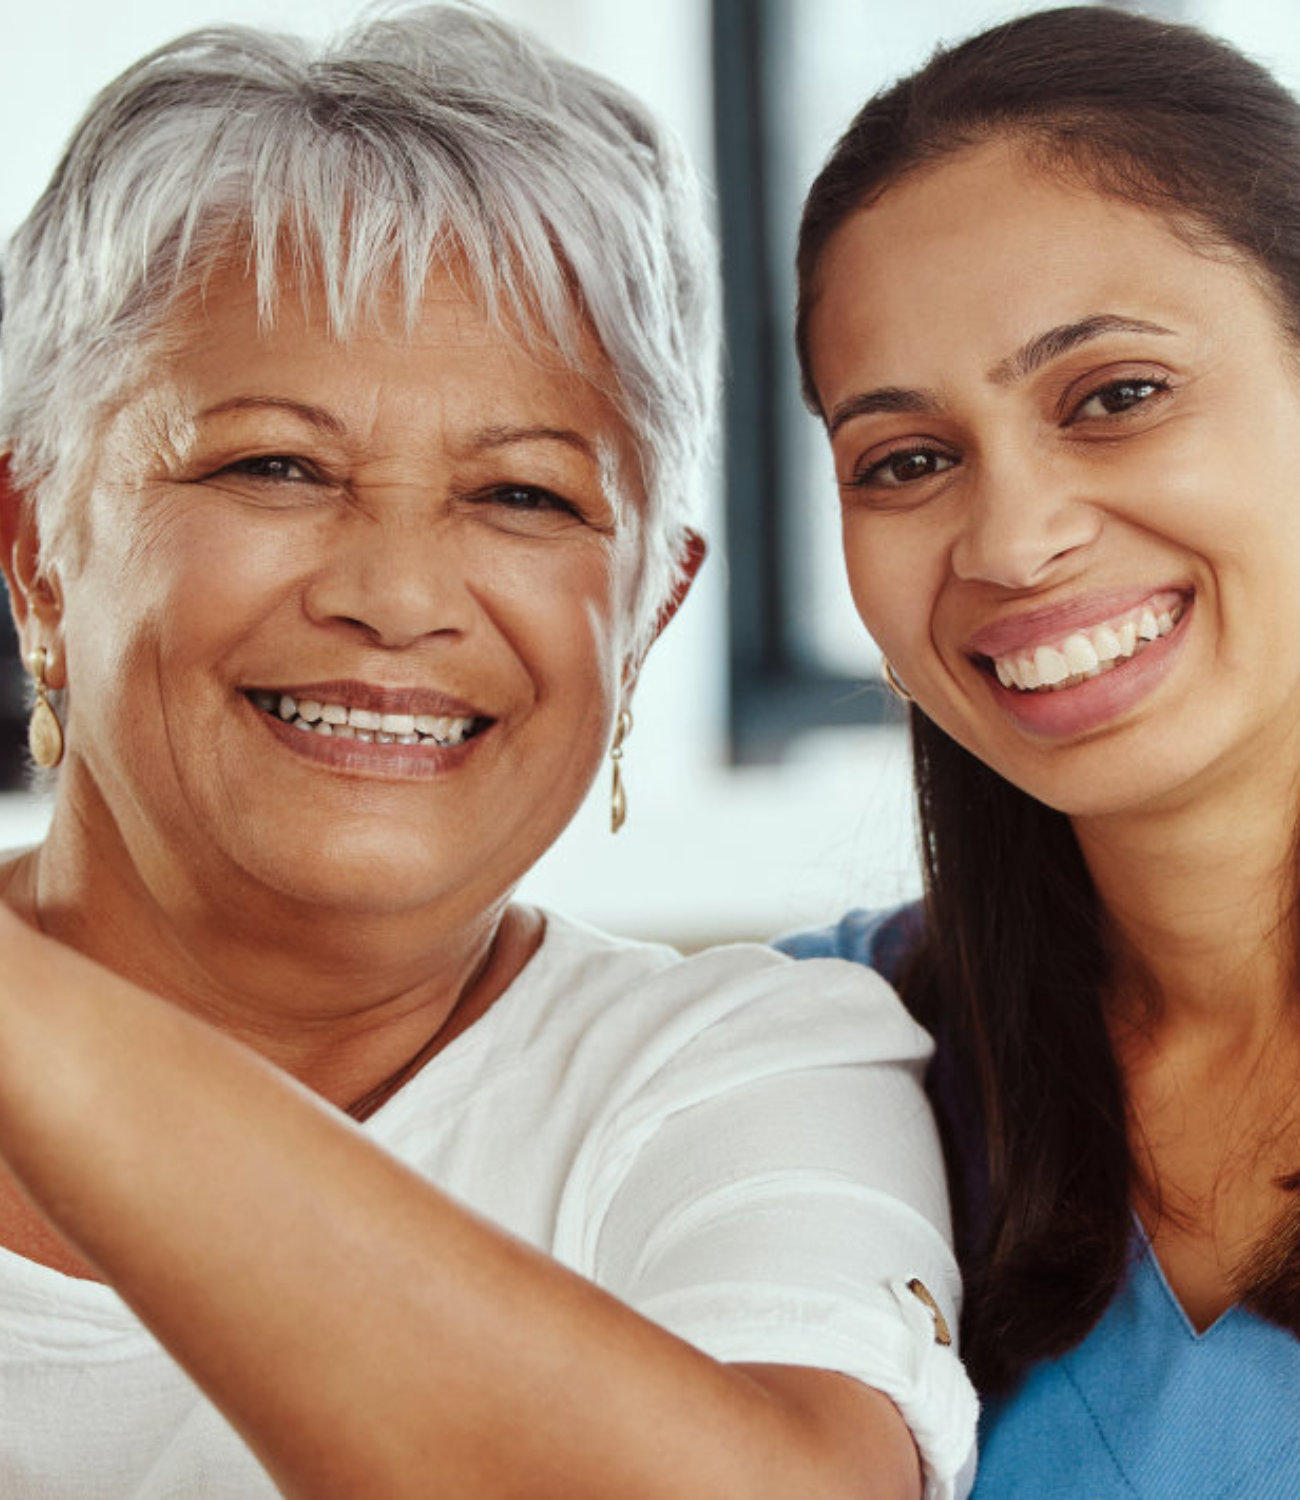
(617, 792)
(895, 686)
(44, 732)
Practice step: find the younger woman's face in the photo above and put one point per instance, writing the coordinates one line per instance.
(1068, 454)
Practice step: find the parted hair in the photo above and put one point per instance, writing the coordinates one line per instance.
(425, 136)
(1018, 956)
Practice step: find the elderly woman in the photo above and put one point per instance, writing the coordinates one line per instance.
(1050, 298)
(351, 405)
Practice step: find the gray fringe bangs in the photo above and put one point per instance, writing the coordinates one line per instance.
(433, 136)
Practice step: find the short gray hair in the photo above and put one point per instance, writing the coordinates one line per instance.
(424, 134)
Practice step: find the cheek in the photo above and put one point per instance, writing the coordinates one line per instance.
(1230, 470)
(174, 583)
(111, 592)
(213, 571)
(895, 576)
(562, 604)
(573, 638)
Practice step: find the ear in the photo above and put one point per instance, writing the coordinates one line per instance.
(689, 562)
(690, 559)
(34, 594)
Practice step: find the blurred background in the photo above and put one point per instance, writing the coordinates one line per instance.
(767, 773)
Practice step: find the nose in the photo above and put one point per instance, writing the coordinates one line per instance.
(1023, 521)
(396, 580)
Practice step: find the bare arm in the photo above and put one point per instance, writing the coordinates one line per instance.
(364, 1333)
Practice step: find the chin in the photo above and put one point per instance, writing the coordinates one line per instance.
(390, 871)
(1099, 786)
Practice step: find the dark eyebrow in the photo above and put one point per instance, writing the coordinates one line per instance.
(504, 437)
(316, 415)
(889, 398)
(1040, 350)
(1045, 347)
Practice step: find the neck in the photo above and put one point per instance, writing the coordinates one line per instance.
(1204, 1026)
(1200, 899)
(341, 999)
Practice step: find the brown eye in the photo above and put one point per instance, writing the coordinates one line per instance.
(1119, 396)
(904, 466)
(529, 497)
(272, 466)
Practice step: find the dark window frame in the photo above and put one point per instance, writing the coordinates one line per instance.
(775, 692)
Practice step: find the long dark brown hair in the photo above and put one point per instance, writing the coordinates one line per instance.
(1015, 960)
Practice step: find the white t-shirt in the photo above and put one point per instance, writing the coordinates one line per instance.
(734, 1144)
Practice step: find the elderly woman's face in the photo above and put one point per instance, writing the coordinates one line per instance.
(348, 619)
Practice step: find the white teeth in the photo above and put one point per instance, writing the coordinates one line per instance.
(1107, 644)
(1085, 653)
(1080, 656)
(338, 721)
(1050, 665)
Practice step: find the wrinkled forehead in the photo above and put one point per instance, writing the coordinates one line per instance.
(349, 295)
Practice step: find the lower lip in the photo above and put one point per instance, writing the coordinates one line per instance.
(370, 758)
(1096, 702)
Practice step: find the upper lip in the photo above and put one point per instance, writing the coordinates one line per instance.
(375, 697)
(1021, 632)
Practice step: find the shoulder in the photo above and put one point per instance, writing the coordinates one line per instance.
(884, 941)
(880, 939)
(828, 1010)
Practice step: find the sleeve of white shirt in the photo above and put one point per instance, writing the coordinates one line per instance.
(774, 1192)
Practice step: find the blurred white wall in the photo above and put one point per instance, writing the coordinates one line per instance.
(708, 851)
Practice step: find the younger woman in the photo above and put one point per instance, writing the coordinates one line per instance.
(1050, 299)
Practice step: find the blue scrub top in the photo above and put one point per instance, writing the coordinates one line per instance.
(1148, 1409)
(1145, 1408)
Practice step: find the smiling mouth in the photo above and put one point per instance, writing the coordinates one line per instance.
(1067, 661)
(345, 721)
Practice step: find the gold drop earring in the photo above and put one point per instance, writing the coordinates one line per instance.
(44, 732)
(617, 791)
